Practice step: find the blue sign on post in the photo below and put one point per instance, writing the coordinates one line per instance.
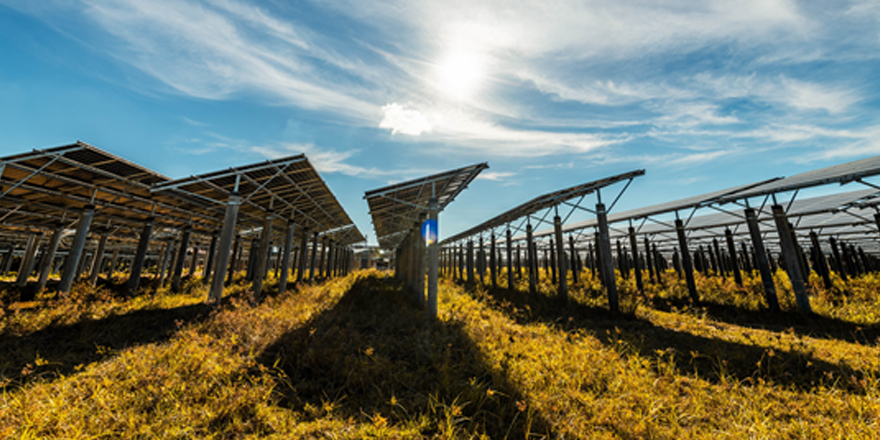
(429, 231)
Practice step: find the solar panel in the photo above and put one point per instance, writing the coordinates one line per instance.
(545, 201)
(842, 173)
(395, 208)
(44, 187)
(290, 187)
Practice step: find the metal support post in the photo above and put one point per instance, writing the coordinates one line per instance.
(140, 256)
(481, 261)
(181, 259)
(519, 266)
(304, 253)
(46, 264)
(461, 262)
(209, 259)
(99, 257)
(419, 257)
(607, 263)
(734, 264)
(7, 261)
(234, 265)
(575, 267)
(841, 270)
(262, 256)
(686, 261)
(194, 261)
(111, 268)
(71, 263)
(847, 261)
(719, 257)
(746, 260)
(285, 261)
(314, 259)
(470, 262)
(532, 259)
(820, 262)
(163, 268)
(322, 268)
(509, 249)
(562, 270)
(331, 258)
(792, 264)
(252, 258)
(761, 260)
(713, 261)
(227, 234)
(433, 249)
(648, 261)
(26, 260)
(83, 262)
(493, 266)
(801, 257)
(658, 263)
(633, 243)
(676, 262)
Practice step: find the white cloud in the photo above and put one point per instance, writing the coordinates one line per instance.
(811, 96)
(195, 123)
(705, 87)
(700, 158)
(496, 176)
(219, 49)
(471, 133)
(327, 160)
(600, 92)
(403, 119)
(556, 166)
(610, 54)
(692, 114)
(776, 133)
(687, 156)
(587, 28)
(801, 95)
(324, 160)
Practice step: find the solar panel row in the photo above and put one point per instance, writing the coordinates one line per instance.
(58, 189)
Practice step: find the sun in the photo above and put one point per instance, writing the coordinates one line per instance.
(460, 74)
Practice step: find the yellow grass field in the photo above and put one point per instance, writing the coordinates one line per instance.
(352, 358)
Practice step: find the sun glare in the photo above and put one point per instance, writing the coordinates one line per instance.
(460, 74)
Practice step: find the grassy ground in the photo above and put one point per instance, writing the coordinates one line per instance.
(352, 358)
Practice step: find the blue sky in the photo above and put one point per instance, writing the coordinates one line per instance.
(703, 95)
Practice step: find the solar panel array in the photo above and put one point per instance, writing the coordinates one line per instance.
(543, 202)
(46, 189)
(847, 213)
(290, 188)
(395, 208)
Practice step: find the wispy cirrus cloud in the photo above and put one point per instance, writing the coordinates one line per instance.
(568, 79)
(329, 160)
(495, 175)
(223, 48)
(793, 93)
(467, 132)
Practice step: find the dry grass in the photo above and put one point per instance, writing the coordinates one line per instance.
(352, 358)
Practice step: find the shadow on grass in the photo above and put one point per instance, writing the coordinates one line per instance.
(64, 347)
(374, 356)
(715, 360)
(812, 325)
